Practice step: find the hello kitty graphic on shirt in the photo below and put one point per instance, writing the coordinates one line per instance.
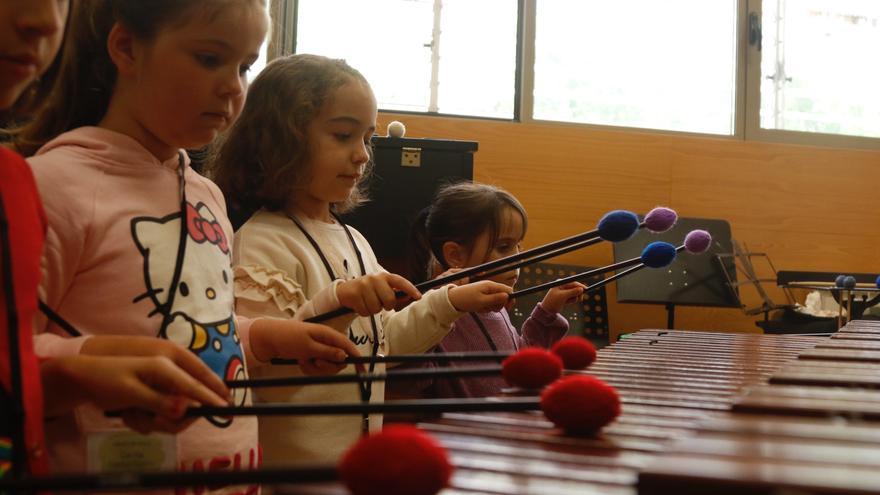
(199, 316)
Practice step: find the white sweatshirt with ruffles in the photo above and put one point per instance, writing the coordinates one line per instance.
(278, 273)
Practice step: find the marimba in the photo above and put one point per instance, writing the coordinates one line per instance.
(672, 384)
(810, 429)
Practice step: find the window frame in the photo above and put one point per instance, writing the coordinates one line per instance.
(747, 103)
(752, 110)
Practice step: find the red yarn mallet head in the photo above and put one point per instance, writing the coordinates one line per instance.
(399, 459)
(576, 352)
(531, 367)
(580, 404)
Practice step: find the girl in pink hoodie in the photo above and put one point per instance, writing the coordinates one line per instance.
(31, 32)
(138, 243)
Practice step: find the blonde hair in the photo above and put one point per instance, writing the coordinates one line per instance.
(86, 77)
(261, 161)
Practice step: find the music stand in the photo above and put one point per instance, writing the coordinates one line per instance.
(691, 280)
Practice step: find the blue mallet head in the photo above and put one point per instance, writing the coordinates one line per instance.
(697, 241)
(877, 282)
(849, 282)
(618, 225)
(839, 280)
(660, 219)
(658, 254)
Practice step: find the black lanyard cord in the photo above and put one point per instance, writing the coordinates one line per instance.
(488, 337)
(485, 332)
(181, 244)
(365, 386)
(360, 258)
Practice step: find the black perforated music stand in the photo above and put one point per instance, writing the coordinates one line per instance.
(588, 318)
(691, 280)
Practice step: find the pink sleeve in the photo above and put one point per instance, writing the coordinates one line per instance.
(543, 328)
(49, 345)
(69, 211)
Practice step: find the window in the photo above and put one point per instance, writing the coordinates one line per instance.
(800, 71)
(261, 61)
(637, 63)
(819, 69)
(449, 56)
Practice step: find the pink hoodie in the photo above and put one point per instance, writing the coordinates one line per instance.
(111, 249)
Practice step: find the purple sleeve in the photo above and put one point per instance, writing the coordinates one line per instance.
(411, 389)
(543, 328)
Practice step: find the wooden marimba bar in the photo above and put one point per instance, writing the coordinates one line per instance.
(702, 413)
(812, 428)
(669, 382)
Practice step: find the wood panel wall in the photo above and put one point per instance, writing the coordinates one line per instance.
(809, 208)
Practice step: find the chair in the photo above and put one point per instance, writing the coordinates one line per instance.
(588, 319)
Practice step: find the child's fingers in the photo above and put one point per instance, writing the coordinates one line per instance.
(196, 368)
(138, 420)
(308, 367)
(490, 287)
(370, 302)
(165, 377)
(145, 422)
(320, 367)
(567, 294)
(357, 304)
(142, 403)
(385, 294)
(399, 283)
(510, 304)
(332, 345)
(497, 300)
(573, 285)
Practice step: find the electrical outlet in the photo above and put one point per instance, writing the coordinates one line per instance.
(411, 157)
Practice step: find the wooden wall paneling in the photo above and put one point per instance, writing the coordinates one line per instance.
(809, 208)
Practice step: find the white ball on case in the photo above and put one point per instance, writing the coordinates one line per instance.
(396, 129)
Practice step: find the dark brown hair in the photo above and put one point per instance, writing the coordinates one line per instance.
(86, 78)
(261, 161)
(460, 213)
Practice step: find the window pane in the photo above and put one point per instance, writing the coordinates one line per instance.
(390, 42)
(478, 57)
(819, 69)
(637, 63)
(260, 63)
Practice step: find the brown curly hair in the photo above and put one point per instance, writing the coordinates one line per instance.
(261, 161)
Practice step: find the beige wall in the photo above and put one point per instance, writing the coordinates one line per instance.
(810, 208)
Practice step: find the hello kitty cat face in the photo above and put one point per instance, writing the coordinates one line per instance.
(204, 289)
(199, 316)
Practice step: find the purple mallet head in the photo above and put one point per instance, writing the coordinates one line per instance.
(697, 241)
(660, 219)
